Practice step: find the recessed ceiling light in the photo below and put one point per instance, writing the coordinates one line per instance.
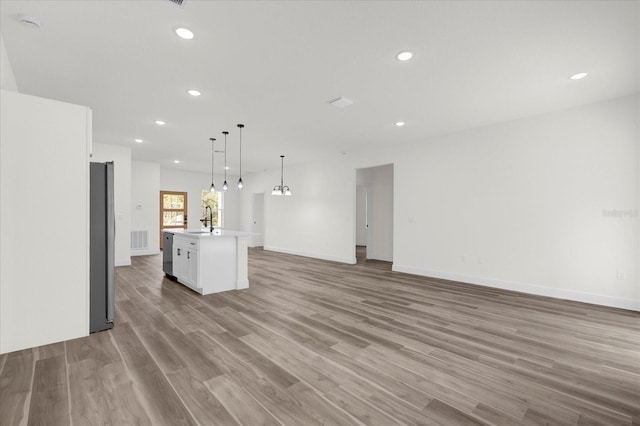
(226, 167)
(176, 161)
(578, 76)
(160, 122)
(400, 123)
(194, 92)
(404, 56)
(184, 33)
(138, 140)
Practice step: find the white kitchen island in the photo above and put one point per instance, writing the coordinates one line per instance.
(209, 262)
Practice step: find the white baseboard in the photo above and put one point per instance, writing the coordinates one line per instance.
(351, 261)
(146, 252)
(558, 293)
(123, 262)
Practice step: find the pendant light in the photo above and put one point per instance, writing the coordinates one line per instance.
(213, 187)
(224, 185)
(281, 189)
(240, 184)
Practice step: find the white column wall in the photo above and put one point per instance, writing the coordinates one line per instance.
(44, 221)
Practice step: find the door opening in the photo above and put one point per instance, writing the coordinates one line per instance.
(374, 196)
(173, 211)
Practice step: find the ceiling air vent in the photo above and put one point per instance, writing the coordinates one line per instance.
(178, 2)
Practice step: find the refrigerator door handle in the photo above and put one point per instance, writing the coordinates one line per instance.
(111, 229)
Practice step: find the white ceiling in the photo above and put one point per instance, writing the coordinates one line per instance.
(275, 65)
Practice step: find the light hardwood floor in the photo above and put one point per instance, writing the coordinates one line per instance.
(314, 342)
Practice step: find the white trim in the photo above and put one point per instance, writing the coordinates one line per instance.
(123, 262)
(144, 252)
(558, 293)
(349, 260)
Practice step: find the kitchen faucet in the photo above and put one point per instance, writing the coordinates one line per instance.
(210, 218)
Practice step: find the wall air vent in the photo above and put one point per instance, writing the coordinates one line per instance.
(178, 2)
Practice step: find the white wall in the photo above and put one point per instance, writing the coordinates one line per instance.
(194, 183)
(7, 78)
(121, 157)
(518, 205)
(318, 220)
(379, 184)
(145, 204)
(44, 221)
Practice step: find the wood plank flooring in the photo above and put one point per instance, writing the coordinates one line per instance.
(314, 342)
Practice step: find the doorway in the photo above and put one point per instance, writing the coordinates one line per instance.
(173, 211)
(361, 223)
(257, 219)
(374, 213)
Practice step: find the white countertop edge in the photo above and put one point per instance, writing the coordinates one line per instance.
(204, 233)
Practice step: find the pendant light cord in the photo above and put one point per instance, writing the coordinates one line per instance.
(212, 185)
(240, 184)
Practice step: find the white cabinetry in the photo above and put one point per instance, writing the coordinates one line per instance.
(185, 261)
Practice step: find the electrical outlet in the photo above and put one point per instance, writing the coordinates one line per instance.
(622, 275)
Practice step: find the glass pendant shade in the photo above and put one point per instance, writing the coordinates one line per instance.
(225, 186)
(240, 184)
(213, 187)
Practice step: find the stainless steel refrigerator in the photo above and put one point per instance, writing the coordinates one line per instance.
(102, 251)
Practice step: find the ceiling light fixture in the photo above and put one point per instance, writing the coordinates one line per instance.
(160, 122)
(176, 161)
(213, 187)
(281, 189)
(240, 183)
(578, 76)
(184, 33)
(404, 56)
(194, 92)
(138, 140)
(224, 185)
(400, 123)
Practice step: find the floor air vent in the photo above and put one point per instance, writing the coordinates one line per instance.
(139, 240)
(178, 2)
